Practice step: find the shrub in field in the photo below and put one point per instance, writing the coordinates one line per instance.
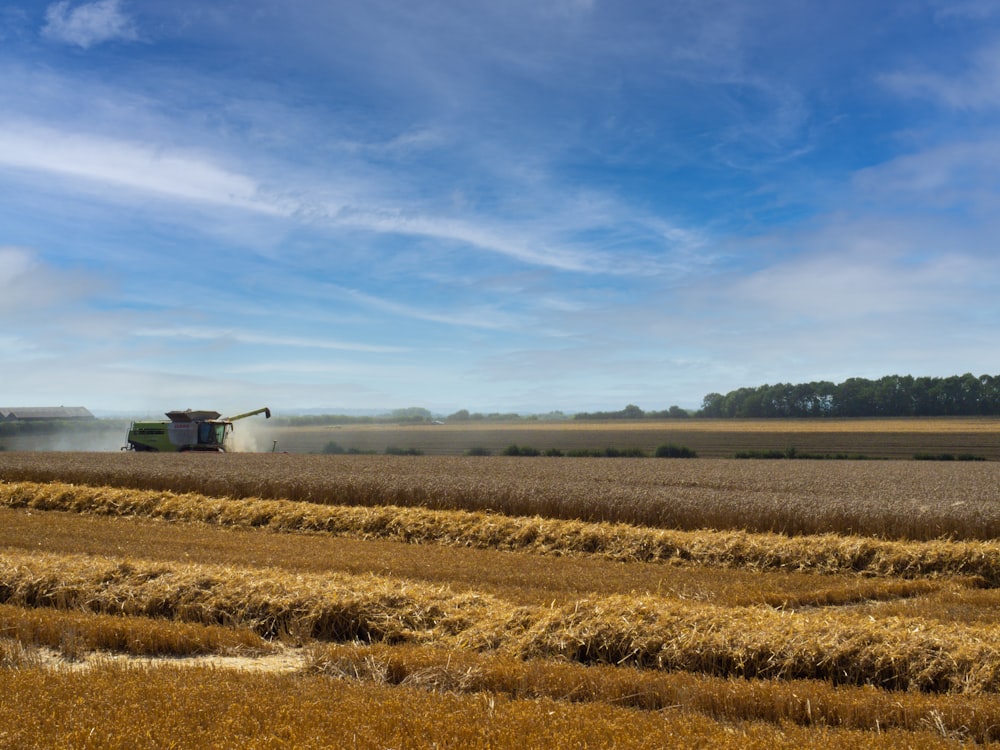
(773, 453)
(477, 450)
(624, 453)
(609, 452)
(674, 451)
(520, 450)
(394, 450)
(793, 452)
(333, 448)
(947, 457)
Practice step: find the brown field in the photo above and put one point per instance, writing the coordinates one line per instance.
(387, 601)
(875, 438)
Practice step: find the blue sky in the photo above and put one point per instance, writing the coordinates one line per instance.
(517, 206)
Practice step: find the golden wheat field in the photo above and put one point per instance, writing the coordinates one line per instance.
(443, 601)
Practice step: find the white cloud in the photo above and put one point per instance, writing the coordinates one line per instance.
(132, 165)
(855, 285)
(88, 24)
(13, 263)
(943, 176)
(27, 285)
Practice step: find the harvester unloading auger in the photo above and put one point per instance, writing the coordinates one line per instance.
(187, 431)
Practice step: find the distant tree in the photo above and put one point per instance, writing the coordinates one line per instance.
(632, 412)
(629, 412)
(924, 397)
(711, 406)
(412, 414)
(989, 394)
(856, 398)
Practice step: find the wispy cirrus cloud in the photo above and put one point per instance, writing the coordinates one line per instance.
(186, 176)
(976, 10)
(199, 178)
(257, 339)
(976, 88)
(88, 24)
(484, 316)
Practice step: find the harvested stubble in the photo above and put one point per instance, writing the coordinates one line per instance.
(804, 702)
(14, 655)
(901, 500)
(827, 553)
(649, 632)
(202, 707)
(953, 604)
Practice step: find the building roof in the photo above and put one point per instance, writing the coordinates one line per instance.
(44, 412)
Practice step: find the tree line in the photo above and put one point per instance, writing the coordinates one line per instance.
(889, 396)
(632, 412)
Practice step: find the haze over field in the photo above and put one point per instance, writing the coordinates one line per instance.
(561, 204)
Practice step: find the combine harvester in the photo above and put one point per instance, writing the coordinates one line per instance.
(187, 431)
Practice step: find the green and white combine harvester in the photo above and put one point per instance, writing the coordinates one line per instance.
(187, 431)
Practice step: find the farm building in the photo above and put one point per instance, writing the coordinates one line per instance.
(42, 413)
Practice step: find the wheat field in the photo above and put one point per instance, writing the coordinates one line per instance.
(919, 500)
(388, 601)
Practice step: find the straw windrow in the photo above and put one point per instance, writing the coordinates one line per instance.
(646, 632)
(827, 553)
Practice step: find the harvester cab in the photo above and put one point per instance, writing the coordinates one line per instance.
(187, 431)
